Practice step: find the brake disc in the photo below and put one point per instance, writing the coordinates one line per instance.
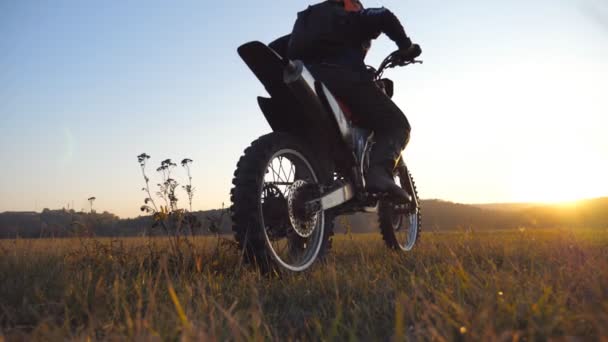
(302, 220)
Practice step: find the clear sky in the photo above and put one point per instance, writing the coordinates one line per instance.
(510, 105)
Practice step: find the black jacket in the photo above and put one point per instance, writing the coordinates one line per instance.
(342, 37)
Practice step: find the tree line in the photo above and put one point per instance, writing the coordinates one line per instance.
(436, 215)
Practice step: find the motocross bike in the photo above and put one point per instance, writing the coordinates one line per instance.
(290, 184)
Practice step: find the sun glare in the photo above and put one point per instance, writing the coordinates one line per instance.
(557, 174)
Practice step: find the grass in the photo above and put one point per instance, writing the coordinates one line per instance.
(531, 285)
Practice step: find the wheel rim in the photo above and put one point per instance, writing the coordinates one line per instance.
(405, 225)
(288, 249)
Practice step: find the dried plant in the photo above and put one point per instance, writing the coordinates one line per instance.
(188, 188)
(176, 223)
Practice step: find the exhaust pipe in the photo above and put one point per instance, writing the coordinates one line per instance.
(303, 85)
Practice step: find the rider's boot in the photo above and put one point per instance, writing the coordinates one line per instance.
(380, 177)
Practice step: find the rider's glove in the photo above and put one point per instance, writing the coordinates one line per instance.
(410, 53)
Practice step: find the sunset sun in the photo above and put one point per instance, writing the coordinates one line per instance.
(564, 172)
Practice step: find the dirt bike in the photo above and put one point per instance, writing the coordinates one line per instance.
(290, 184)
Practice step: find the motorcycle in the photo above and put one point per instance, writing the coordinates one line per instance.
(290, 184)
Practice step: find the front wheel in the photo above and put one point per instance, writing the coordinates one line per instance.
(275, 172)
(401, 230)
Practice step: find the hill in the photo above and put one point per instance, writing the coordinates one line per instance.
(67, 223)
(437, 216)
(505, 206)
(440, 215)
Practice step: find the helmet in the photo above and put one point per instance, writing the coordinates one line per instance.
(353, 5)
(350, 5)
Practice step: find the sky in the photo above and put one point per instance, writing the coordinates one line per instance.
(510, 104)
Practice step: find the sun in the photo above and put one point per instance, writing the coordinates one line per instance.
(556, 173)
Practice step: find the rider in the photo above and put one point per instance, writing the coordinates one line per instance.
(332, 38)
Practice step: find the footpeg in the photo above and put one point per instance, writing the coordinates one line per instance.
(387, 196)
(376, 195)
(404, 209)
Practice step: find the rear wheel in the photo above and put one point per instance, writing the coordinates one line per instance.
(400, 230)
(276, 174)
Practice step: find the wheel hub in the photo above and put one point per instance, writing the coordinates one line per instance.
(302, 220)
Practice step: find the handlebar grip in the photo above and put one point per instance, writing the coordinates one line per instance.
(408, 55)
(414, 51)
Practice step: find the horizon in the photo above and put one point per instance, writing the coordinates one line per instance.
(531, 204)
(509, 106)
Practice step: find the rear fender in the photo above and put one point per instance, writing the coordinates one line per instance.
(281, 116)
(267, 65)
(283, 111)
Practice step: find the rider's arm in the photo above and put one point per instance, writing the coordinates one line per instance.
(371, 22)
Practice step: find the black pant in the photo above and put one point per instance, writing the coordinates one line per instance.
(371, 106)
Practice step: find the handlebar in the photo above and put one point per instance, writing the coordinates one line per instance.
(394, 60)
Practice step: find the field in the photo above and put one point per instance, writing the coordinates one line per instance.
(515, 285)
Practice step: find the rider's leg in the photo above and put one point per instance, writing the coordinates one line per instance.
(377, 112)
(392, 133)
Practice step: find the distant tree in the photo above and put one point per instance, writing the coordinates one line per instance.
(91, 200)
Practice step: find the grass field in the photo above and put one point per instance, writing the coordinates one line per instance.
(506, 286)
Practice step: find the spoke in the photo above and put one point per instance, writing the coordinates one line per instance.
(281, 166)
(279, 172)
(281, 169)
(274, 173)
(291, 168)
(292, 172)
(285, 191)
(288, 177)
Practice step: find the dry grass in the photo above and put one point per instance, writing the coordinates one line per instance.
(455, 286)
